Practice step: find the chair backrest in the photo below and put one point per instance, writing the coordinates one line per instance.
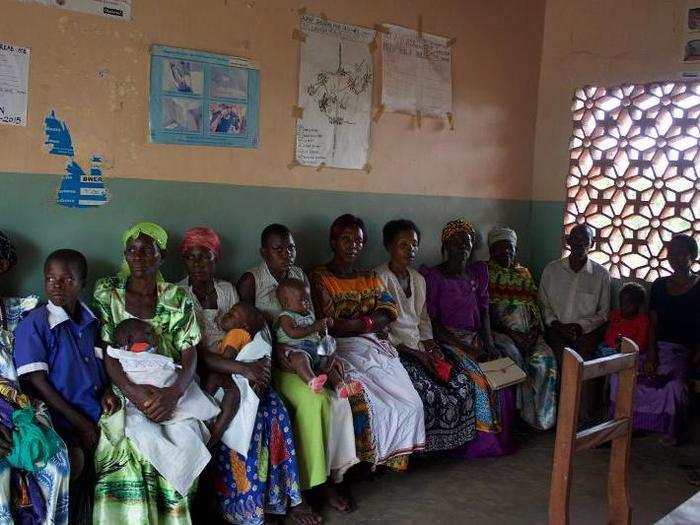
(618, 430)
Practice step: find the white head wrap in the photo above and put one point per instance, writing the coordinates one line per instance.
(502, 234)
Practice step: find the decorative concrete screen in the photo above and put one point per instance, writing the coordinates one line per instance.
(633, 172)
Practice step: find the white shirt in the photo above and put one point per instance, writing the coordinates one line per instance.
(413, 324)
(266, 289)
(581, 297)
(226, 297)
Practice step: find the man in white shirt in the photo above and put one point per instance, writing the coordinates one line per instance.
(575, 297)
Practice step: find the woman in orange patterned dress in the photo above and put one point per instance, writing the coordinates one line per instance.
(388, 413)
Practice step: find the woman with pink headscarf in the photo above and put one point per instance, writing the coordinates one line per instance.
(244, 490)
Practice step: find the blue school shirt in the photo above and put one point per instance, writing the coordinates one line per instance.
(47, 339)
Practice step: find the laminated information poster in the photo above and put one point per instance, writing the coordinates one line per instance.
(14, 84)
(416, 72)
(110, 8)
(202, 98)
(335, 94)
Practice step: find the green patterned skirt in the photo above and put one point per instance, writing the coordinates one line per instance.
(129, 489)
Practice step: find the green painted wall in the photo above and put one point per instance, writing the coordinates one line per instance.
(38, 226)
(546, 230)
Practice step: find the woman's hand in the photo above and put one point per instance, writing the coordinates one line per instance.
(161, 404)
(490, 351)
(110, 402)
(258, 373)
(5, 441)
(139, 394)
(432, 347)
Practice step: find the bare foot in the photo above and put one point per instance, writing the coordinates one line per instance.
(302, 514)
(335, 499)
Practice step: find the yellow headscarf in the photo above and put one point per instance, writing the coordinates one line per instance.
(150, 229)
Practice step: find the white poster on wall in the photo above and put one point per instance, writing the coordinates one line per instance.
(416, 72)
(110, 8)
(335, 93)
(14, 84)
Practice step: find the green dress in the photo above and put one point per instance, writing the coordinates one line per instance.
(129, 489)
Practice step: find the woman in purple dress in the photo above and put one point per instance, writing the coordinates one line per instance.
(458, 305)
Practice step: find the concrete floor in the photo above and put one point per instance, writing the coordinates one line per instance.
(515, 489)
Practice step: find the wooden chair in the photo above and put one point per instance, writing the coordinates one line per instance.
(617, 430)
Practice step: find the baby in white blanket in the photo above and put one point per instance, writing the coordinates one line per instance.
(185, 435)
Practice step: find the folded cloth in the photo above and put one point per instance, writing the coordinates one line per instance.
(239, 433)
(177, 447)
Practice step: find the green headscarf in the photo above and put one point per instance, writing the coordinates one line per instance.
(150, 229)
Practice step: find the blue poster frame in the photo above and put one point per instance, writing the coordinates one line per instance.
(159, 134)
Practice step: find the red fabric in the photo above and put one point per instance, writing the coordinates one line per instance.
(278, 449)
(636, 329)
(443, 369)
(139, 347)
(201, 237)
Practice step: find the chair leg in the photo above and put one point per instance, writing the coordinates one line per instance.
(619, 502)
(567, 423)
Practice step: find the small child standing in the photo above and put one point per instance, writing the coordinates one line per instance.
(627, 321)
(301, 333)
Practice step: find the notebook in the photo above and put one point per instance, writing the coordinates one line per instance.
(502, 373)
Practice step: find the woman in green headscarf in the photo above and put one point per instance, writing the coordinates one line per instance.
(129, 489)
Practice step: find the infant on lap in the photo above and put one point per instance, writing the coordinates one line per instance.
(185, 435)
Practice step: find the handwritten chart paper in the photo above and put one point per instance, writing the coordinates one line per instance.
(335, 93)
(416, 72)
(14, 84)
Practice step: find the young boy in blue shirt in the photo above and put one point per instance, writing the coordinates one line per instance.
(57, 360)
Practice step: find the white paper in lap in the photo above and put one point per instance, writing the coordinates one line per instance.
(416, 73)
(239, 433)
(335, 91)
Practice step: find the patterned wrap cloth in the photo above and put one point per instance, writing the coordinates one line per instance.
(514, 305)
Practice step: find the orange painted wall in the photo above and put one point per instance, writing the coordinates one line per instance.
(495, 66)
(602, 43)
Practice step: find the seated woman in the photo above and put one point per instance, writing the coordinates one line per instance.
(389, 420)
(457, 298)
(311, 412)
(58, 362)
(28, 495)
(267, 479)
(517, 320)
(446, 391)
(661, 404)
(139, 291)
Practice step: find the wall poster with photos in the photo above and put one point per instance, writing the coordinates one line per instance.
(201, 98)
(691, 33)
